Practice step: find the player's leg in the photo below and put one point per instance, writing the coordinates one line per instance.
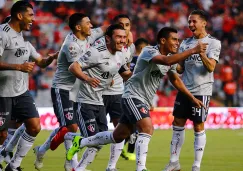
(92, 119)
(199, 116)
(113, 108)
(182, 108)
(5, 116)
(139, 114)
(25, 109)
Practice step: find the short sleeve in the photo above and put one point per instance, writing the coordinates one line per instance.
(214, 50)
(33, 53)
(173, 68)
(181, 48)
(89, 59)
(148, 53)
(95, 34)
(72, 52)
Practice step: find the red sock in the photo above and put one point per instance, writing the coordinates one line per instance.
(58, 138)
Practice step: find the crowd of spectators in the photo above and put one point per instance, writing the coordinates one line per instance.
(147, 16)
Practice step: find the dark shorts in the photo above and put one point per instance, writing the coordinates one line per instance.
(113, 105)
(19, 108)
(91, 119)
(63, 107)
(184, 108)
(133, 111)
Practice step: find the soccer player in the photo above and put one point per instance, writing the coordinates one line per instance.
(75, 45)
(15, 99)
(104, 59)
(129, 154)
(153, 63)
(197, 75)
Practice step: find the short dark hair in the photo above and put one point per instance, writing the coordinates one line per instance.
(20, 6)
(116, 18)
(74, 19)
(202, 14)
(111, 28)
(7, 19)
(140, 41)
(165, 32)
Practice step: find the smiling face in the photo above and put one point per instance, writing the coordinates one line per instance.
(197, 25)
(118, 39)
(125, 23)
(86, 26)
(26, 19)
(171, 44)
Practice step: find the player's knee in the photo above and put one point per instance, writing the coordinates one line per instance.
(198, 127)
(179, 122)
(119, 137)
(147, 129)
(72, 128)
(34, 130)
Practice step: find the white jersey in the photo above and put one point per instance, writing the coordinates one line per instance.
(99, 63)
(72, 48)
(118, 86)
(14, 50)
(195, 76)
(146, 77)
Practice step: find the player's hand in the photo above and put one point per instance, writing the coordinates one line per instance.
(94, 82)
(200, 48)
(130, 38)
(53, 55)
(27, 66)
(198, 103)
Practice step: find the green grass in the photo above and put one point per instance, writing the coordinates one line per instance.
(224, 152)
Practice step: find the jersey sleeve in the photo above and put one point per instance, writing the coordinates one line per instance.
(95, 34)
(214, 50)
(181, 48)
(89, 59)
(173, 68)
(3, 42)
(72, 52)
(148, 53)
(33, 53)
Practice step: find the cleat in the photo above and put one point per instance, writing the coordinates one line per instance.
(39, 158)
(131, 156)
(68, 166)
(75, 148)
(173, 166)
(114, 169)
(8, 157)
(195, 168)
(124, 154)
(58, 138)
(8, 168)
(80, 169)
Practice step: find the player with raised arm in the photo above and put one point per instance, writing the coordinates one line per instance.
(197, 75)
(15, 99)
(153, 63)
(75, 45)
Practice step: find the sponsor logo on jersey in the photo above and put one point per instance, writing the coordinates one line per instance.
(91, 127)
(20, 52)
(195, 57)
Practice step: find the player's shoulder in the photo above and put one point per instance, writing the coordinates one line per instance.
(187, 40)
(212, 39)
(5, 30)
(151, 50)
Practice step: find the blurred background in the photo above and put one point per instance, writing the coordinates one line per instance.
(147, 16)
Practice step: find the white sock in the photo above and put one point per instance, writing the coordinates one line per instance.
(25, 143)
(142, 150)
(70, 135)
(15, 138)
(177, 141)
(101, 138)
(87, 157)
(199, 145)
(10, 135)
(46, 146)
(115, 152)
(1, 157)
(74, 161)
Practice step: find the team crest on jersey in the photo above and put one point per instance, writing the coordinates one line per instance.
(91, 127)
(2, 121)
(20, 52)
(72, 51)
(69, 116)
(119, 65)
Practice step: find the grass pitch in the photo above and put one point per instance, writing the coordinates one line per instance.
(224, 152)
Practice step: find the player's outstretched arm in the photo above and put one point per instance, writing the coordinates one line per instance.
(179, 85)
(44, 62)
(76, 69)
(173, 59)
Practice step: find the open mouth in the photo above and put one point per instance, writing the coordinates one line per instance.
(30, 24)
(193, 30)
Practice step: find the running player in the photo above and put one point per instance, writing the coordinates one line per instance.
(15, 99)
(197, 75)
(107, 60)
(153, 63)
(75, 45)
